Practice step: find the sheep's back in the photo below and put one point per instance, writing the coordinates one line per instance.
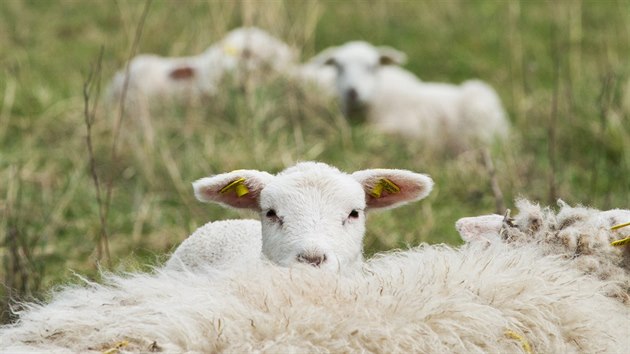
(430, 299)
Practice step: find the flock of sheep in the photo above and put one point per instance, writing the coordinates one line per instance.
(297, 281)
(365, 80)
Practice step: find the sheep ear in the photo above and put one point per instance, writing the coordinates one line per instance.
(386, 188)
(480, 228)
(182, 73)
(236, 189)
(391, 56)
(325, 57)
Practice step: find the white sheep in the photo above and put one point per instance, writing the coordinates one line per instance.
(311, 213)
(432, 299)
(313, 74)
(219, 244)
(396, 101)
(243, 51)
(582, 235)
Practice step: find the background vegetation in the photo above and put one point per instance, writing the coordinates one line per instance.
(561, 68)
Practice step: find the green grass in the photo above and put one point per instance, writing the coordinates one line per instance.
(560, 67)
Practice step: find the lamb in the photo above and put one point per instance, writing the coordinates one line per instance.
(243, 51)
(582, 235)
(369, 83)
(219, 244)
(431, 299)
(311, 213)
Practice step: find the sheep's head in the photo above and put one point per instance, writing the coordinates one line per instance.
(312, 213)
(357, 65)
(253, 49)
(480, 228)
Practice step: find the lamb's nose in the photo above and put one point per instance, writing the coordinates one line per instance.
(313, 259)
(352, 94)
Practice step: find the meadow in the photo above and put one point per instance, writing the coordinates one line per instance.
(562, 69)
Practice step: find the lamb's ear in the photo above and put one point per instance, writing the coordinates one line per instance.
(237, 189)
(325, 57)
(182, 73)
(480, 228)
(391, 56)
(385, 188)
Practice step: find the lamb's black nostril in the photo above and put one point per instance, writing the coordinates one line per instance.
(313, 259)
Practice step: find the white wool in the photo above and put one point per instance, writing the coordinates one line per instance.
(432, 299)
(582, 235)
(310, 213)
(396, 101)
(246, 51)
(220, 244)
(313, 74)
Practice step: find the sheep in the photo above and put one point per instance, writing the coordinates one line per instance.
(311, 213)
(582, 235)
(243, 51)
(219, 244)
(430, 299)
(369, 83)
(312, 74)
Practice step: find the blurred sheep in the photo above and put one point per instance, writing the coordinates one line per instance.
(369, 82)
(582, 235)
(243, 52)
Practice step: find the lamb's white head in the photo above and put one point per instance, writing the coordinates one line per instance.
(357, 64)
(313, 213)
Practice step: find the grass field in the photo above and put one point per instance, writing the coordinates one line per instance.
(562, 69)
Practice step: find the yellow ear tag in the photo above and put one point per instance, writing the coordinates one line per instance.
(622, 242)
(617, 227)
(238, 186)
(384, 184)
(229, 50)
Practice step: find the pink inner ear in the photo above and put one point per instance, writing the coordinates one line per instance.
(248, 201)
(182, 73)
(230, 198)
(408, 192)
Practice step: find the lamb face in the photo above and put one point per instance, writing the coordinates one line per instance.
(357, 65)
(313, 213)
(313, 216)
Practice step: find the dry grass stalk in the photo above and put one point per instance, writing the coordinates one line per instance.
(91, 84)
(494, 182)
(90, 87)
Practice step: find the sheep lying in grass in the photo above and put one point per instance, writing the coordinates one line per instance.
(432, 299)
(313, 74)
(396, 101)
(311, 213)
(582, 235)
(243, 51)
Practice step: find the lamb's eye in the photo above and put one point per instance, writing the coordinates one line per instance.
(271, 213)
(354, 214)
